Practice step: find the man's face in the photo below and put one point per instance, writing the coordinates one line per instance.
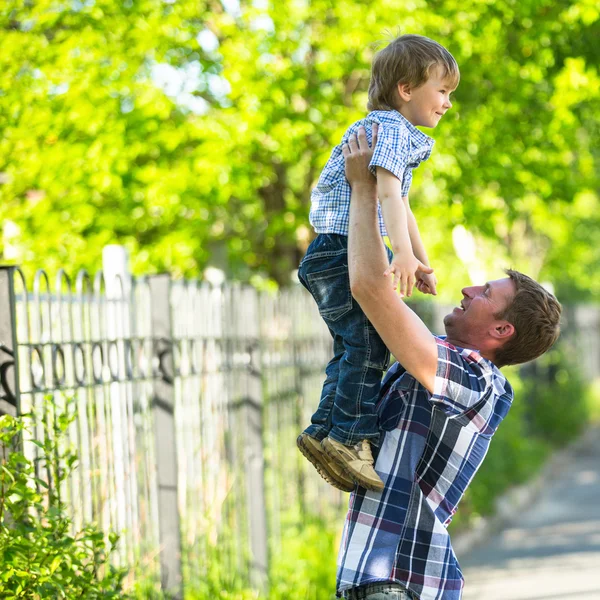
(473, 322)
(429, 102)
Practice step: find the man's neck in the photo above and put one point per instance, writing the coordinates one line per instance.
(486, 353)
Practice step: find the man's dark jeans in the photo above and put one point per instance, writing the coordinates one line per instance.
(379, 591)
(347, 407)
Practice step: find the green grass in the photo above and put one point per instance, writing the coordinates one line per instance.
(303, 568)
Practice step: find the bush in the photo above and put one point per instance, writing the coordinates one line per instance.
(41, 557)
(557, 398)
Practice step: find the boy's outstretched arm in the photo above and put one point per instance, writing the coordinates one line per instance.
(409, 258)
(393, 208)
(400, 328)
(419, 249)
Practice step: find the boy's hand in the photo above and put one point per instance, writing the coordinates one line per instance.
(426, 283)
(405, 268)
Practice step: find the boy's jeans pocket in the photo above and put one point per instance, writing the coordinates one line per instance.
(324, 272)
(331, 291)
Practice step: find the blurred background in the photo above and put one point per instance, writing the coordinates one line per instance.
(192, 132)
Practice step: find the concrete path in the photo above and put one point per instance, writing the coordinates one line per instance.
(552, 550)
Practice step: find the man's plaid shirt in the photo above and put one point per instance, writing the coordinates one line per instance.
(432, 446)
(400, 148)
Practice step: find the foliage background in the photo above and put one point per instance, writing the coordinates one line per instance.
(192, 132)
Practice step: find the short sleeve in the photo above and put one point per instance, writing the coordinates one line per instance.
(391, 152)
(407, 181)
(463, 379)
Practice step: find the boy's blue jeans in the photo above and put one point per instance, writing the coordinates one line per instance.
(351, 390)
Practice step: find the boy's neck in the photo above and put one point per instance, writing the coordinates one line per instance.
(402, 109)
(399, 110)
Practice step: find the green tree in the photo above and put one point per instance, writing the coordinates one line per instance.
(95, 152)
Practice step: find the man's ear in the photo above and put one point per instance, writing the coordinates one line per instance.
(503, 330)
(404, 91)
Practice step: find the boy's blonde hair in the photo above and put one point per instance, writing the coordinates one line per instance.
(408, 59)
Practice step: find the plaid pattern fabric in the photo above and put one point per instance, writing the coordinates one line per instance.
(401, 147)
(432, 447)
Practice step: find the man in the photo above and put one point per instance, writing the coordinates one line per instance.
(439, 406)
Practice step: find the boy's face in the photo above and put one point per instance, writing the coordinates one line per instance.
(426, 105)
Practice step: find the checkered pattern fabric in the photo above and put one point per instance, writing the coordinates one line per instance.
(401, 147)
(432, 447)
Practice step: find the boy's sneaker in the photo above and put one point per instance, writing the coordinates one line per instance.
(356, 461)
(327, 468)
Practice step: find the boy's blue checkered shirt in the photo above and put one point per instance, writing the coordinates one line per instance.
(401, 147)
(431, 448)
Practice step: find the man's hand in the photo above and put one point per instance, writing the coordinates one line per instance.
(357, 156)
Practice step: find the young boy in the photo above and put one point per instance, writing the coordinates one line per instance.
(411, 82)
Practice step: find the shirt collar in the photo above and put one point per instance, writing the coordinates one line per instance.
(443, 338)
(417, 138)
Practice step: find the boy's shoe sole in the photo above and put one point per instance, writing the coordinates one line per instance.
(326, 468)
(356, 462)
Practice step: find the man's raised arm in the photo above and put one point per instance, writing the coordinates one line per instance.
(406, 336)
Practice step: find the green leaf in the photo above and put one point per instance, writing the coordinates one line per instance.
(55, 564)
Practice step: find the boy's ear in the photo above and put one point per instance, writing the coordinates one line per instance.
(404, 91)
